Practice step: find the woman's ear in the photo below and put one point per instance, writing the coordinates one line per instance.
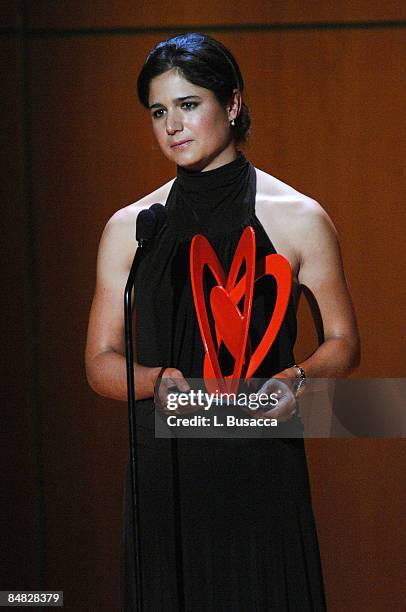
(234, 107)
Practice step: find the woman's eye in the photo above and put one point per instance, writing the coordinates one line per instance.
(189, 105)
(158, 113)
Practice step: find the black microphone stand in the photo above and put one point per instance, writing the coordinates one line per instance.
(132, 420)
(148, 222)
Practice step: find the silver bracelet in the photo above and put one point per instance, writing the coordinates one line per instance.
(301, 378)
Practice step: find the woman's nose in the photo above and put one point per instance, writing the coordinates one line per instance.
(173, 123)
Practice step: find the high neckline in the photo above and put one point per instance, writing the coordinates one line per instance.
(213, 202)
(230, 169)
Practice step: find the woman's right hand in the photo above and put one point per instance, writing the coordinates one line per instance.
(171, 380)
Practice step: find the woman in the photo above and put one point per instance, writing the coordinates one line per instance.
(236, 530)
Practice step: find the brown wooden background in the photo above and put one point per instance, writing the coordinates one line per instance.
(324, 86)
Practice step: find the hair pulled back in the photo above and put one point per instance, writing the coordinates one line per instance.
(203, 61)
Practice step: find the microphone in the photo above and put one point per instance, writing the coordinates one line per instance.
(160, 212)
(145, 228)
(149, 222)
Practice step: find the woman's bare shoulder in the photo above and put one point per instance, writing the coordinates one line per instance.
(286, 207)
(128, 214)
(118, 238)
(275, 195)
(291, 219)
(125, 218)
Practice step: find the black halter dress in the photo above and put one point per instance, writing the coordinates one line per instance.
(227, 524)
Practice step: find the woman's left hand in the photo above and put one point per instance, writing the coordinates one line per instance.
(283, 390)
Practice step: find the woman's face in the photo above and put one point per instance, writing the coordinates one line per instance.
(191, 126)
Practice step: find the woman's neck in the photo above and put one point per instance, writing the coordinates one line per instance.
(217, 160)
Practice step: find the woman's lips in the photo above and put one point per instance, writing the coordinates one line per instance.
(181, 145)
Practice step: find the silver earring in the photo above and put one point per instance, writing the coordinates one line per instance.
(232, 122)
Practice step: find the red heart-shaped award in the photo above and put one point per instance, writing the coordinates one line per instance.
(202, 254)
(231, 325)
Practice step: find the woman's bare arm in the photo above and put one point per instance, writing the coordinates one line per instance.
(321, 273)
(105, 348)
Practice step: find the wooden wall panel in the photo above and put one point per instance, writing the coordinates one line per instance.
(20, 518)
(91, 156)
(326, 106)
(327, 109)
(358, 498)
(11, 14)
(102, 14)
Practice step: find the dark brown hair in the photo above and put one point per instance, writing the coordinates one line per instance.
(203, 61)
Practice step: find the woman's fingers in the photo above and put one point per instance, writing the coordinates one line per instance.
(286, 406)
(175, 378)
(171, 381)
